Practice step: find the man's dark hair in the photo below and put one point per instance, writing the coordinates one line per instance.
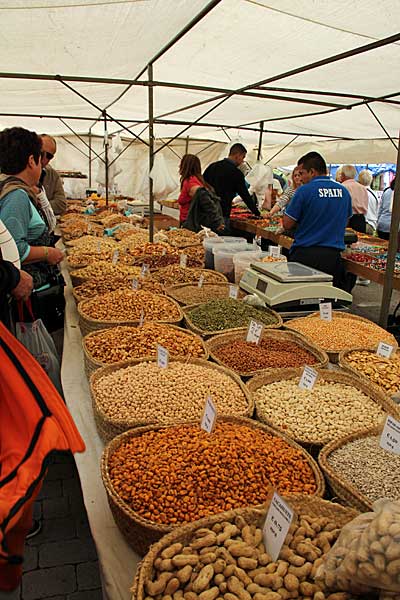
(16, 146)
(238, 149)
(313, 160)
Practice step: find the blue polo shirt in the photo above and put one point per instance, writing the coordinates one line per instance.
(321, 209)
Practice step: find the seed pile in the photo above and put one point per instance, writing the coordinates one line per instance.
(121, 343)
(329, 411)
(127, 305)
(384, 372)
(105, 269)
(243, 356)
(375, 472)
(177, 274)
(341, 332)
(192, 294)
(218, 315)
(182, 473)
(99, 286)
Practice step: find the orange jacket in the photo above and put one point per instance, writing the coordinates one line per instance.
(34, 422)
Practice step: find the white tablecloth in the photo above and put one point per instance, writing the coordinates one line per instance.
(117, 560)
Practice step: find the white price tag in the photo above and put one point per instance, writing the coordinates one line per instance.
(115, 257)
(209, 417)
(164, 252)
(233, 291)
(99, 246)
(308, 378)
(201, 281)
(384, 350)
(390, 438)
(162, 357)
(89, 227)
(325, 311)
(135, 284)
(145, 270)
(276, 526)
(275, 251)
(254, 332)
(141, 320)
(183, 260)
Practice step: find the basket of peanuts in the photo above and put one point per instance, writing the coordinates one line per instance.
(224, 556)
(158, 478)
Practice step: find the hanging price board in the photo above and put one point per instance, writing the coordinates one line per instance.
(162, 357)
(183, 260)
(325, 311)
(233, 291)
(201, 281)
(254, 332)
(209, 417)
(308, 378)
(115, 257)
(384, 350)
(390, 438)
(275, 251)
(276, 526)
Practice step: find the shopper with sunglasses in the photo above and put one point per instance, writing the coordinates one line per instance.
(50, 179)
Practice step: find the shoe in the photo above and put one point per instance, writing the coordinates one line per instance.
(35, 529)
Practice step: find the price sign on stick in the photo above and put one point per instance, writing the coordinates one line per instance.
(308, 378)
(325, 311)
(233, 291)
(384, 350)
(183, 260)
(276, 526)
(390, 438)
(115, 257)
(201, 281)
(209, 417)
(99, 246)
(135, 284)
(145, 270)
(141, 320)
(275, 251)
(254, 332)
(162, 357)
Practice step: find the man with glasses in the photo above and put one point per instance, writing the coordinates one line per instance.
(50, 179)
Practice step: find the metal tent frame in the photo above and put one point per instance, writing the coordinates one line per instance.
(259, 89)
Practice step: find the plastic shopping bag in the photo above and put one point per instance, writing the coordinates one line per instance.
(366, 556)
(35, 337)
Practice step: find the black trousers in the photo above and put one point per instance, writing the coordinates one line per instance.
(327, 260)
(358, 223)
(384, 235)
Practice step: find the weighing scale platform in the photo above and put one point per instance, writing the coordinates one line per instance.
(292, 288)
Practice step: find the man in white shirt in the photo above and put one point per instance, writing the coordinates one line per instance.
(365, 178)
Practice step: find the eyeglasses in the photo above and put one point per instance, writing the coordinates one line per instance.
(47, 155)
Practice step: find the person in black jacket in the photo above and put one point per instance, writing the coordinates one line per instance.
(205, 211)
(15, 282)
(228, 181)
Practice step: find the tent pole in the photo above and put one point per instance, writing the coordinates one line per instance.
(381, 125)
(73, 145)
(392, 249)
(282, 149)
(260, 140)
(151, 148)
(78, 136)
(187, 145)
(90, 157)
(106, 152)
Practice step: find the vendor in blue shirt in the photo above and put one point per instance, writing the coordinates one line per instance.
(320, 209)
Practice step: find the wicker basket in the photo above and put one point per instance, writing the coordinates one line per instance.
(173, 291)
(87, 325)
(215, 342)
(108, 428)
(344, 363)
(302, 505)
(206, 333)
(342, 488)
(140, 533)
(333, 353)
(334, 376)
(92, 365)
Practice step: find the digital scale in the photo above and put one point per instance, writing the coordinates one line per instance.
(292, 287)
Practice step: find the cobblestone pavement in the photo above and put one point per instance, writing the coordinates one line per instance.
(61, 561)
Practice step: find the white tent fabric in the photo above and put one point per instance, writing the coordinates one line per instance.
(238, 43)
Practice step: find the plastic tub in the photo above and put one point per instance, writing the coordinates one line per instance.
(209, 244)
(243, 260)
(223, 257)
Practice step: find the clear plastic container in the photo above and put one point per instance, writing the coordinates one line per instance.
(243, 260)
(223, 257)
(209, 243)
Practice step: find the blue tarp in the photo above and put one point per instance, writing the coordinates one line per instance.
(375, 169)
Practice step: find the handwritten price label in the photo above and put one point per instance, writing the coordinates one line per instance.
(183, 260)
(233, 291)
(144, 270)
(115, 257)
(135, 284)
(254, 332)
(141, 320)
(390, 438)
(384, 350)
(276, 526)
(275, 251)
(162, 357)
(325, 311)
(209, 417)
(308, 378)
(201, 281)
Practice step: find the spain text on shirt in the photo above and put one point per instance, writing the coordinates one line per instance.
(330, 193)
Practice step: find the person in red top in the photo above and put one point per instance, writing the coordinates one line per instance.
(191, 181)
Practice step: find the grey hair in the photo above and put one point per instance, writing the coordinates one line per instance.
(365, 177)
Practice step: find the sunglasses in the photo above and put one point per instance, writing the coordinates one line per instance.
(47, 155)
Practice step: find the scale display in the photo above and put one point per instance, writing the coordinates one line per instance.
(291, 272)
